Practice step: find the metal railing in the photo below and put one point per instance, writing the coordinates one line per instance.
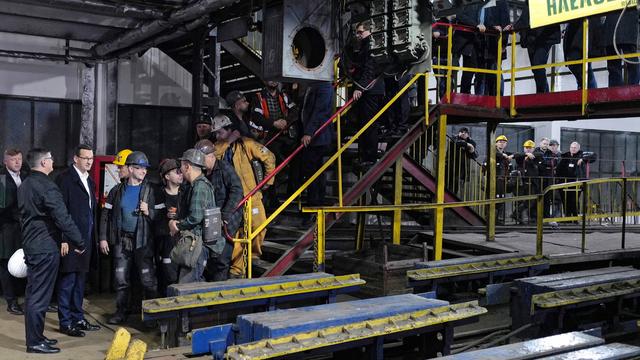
(628, 208)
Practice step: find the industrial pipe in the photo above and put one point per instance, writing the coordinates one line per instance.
(45, 56)
(176, 17)
(97, 6)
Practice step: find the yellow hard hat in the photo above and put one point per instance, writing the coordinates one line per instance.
(121, 158)
(501, 138)
(529, 144)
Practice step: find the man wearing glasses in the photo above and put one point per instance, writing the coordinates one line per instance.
(126, 227)
(78, 193)
(43, 217)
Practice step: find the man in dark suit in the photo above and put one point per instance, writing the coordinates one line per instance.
(316, 110)
(43, 217)
(78, 193)
(10, 237)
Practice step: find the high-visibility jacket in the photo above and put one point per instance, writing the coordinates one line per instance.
(244, 150)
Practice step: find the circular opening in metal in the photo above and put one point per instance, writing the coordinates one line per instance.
(308, 48)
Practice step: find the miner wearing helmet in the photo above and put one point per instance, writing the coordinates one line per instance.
(126, 225)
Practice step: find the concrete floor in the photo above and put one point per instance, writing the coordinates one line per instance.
(93, 346)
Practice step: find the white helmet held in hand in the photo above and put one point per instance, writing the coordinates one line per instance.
(17, 266)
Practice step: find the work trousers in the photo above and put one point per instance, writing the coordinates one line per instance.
(125, 261)
(8, 282)
(615, 67)
(539, 55)
(42, 270)
(366, 108)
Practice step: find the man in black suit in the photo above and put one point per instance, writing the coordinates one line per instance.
(10, 238)
(78, 193)
(43, 217)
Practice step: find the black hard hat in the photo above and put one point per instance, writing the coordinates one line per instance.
(196, 157)
(204, 119)
(137, 158)
(232, 97)
(167, 165)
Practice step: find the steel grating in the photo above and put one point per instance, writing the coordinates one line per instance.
(337, 335)
(476, 268)
(583, 294)
(182, 302)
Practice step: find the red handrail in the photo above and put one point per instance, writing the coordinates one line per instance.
(286, 161)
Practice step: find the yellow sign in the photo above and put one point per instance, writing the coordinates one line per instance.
(545, 12)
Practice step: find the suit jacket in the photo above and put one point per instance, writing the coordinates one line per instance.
(77, 201)
(316, 110)
(10, 235)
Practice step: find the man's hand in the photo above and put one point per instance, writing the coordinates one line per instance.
(498, 28)
(580, 162)
(508, 27)
(470, 148)
(357, 95)
(280, 124)
(510, 157)
(173, 227)
(306, 140)
(64, 249)
(435, 34)
(104, 247)
(530, 156)
(482, 28)
(144, 208)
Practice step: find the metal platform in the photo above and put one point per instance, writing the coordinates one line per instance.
(570, 346)
(335, 327)
(545, 301)
(430, 275)
(267, 293)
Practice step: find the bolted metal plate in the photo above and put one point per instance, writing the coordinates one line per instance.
(476, 267)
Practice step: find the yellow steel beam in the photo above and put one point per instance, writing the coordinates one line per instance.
(293, 344)
(512, 97)
(438, 231)
(499, 72)
(449, 64)
(213, 298)
(397, 200)
(585, 59)
(321, 240)
(476, 267)
(560, 298)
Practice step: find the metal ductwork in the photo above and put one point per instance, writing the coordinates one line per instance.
(146, 31)
(100, 7)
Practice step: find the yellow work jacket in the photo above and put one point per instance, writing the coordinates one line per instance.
(244, 150)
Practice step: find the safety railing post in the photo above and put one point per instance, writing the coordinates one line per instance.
(249, 269)
(449, 60)
(439, 218)
(512, 96)
(585, 206)
(539, 223)
(585, 56)
(321, 240)
(339, 144)
(397, 200)
(491, 181)
(624, 211)
(499, 73)
(426, 97)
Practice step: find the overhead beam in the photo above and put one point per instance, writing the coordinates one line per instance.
(101, 7)
(55, 28)
(150, 29)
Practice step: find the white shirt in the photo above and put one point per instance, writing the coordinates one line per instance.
(16, 177)
(84, 178)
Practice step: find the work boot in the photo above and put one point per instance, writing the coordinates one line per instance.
(117, 318)
(14, 308)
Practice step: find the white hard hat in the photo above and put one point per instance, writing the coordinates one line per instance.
(17, 266)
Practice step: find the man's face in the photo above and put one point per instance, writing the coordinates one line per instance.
(242, 105)
(47, 163)
(203, 130)
(553, 148)
(137, 172)
(528, 150)
(209, 161)
(574, 148)
(361, 33)
(501, 144)
(272, 84)
(174, 176)
(123, 171)
(83, 161)
(13, 163)
(223, 134)
(544, 144)
(463, 135)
